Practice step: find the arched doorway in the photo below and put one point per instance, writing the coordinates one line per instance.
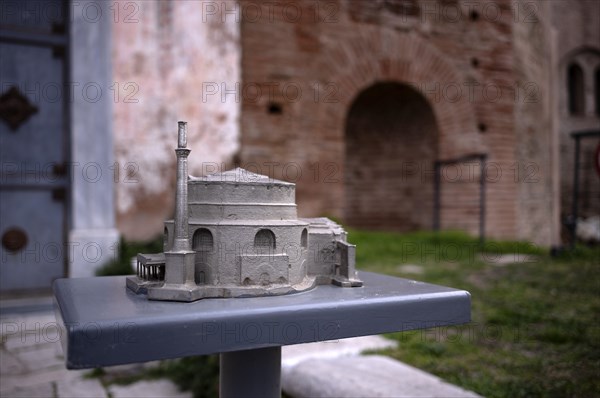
(391, 145)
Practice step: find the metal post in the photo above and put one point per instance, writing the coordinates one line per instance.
(251, 373)
(575, 195)
(436, 196)
(482, 201)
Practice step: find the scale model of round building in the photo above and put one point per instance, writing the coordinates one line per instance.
(245, 231)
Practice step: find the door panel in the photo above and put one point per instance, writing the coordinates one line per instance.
(41, 134)
(46, 16)
(42, 259)
(34, 144)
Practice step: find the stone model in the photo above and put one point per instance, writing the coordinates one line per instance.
(237, 234)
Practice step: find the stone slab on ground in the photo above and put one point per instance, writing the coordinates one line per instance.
(411, 269)
(365, 376)
(44, 358)
(291, 355)
(79, 387)
(32, 363)
(148, 389)
(10, 364)
(40, 390)
(501, 260)
(23, 332)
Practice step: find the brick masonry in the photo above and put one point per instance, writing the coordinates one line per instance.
(482, 68)
(582, 47)
(354, 100)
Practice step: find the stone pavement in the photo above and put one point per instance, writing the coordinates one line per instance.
(336, 369)
(32, 362)
(32, 365)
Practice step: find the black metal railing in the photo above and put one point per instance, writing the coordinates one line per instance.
(438, 164)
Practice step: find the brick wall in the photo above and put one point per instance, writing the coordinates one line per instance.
(533, 172)
(490, 74)
(460, 195)
(449, 58)
(577, 41)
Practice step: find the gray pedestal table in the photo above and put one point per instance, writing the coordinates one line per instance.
(106, 324)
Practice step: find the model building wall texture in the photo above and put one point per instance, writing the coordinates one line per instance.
(236, 234)
(354, 100)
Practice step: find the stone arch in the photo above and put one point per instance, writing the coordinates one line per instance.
(410, 60)
(391, 147)
(577, 52)
(587, 60)
(377, 55)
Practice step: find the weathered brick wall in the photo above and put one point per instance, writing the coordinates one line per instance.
(577, 40)
(459, 58)
(460, 196)
(165, 53)
(533, 171)
(491, 73)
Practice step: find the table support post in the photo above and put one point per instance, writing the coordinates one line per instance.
(251, 373)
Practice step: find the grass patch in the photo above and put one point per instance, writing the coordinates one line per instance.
(199, 374)
(535, 329)
(121, 265)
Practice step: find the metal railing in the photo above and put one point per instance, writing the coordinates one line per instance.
(438, 164)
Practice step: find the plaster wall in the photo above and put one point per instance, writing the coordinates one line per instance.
(167, 55)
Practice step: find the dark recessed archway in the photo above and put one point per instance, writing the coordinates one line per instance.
(391, 145)
(576, 89)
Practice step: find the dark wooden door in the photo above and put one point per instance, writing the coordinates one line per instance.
(34, 143)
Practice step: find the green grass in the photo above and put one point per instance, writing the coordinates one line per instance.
(199, 374)
(122, 264)
(535, 328)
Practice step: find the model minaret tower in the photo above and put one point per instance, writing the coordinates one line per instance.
(179, 260)
(181, 243)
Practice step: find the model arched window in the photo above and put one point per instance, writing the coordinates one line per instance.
(597, 90)
(202, 240)
(304, 238)
(575, 86)
(264, 239)
(166, 238)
